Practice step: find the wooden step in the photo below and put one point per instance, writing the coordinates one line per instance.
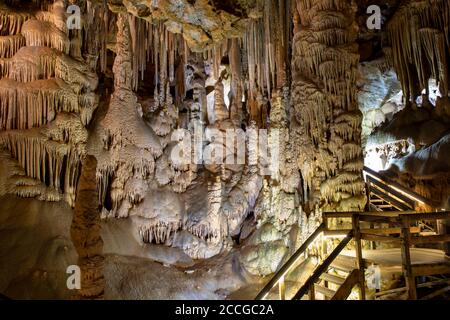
(325, 291)
(333, 278)
(344, 263)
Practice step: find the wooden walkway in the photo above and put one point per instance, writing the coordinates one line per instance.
(392, 221)
(399, 229)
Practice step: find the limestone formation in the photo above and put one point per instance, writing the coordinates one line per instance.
(208, 135)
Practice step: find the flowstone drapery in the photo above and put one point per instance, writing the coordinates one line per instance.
(324, 69)
(47, 101)
(418, 47)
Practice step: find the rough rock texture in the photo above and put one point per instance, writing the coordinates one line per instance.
(202, 23)
(379, 95)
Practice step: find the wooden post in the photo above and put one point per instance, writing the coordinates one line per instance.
(312, 292)
(359, 257)
(406, 260)
(324, 240)
(373, 245)
(443, 228)
(282, 288)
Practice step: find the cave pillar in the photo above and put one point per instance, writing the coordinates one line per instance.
(85, 233)
(324, 71)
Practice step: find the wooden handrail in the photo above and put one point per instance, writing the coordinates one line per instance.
(292, 260)
(425, 216)
(323, 267)
(412, 215)
(381, 231)
(330, 215)
(345, 289)
(406, 192)
(397, 199)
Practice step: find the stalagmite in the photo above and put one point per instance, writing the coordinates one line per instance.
(11, 22)
(85, 233)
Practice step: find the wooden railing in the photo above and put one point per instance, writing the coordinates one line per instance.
(346, 288)
(309, 284)
(399, 231)
(279, 277)
(397, 195)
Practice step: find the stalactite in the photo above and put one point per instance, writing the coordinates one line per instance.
(9, 45)
(158, 232)
(30, 64)
(56, 15)
(37, 154)
(45, 34)
(418, 45)
(266, 44)
(46, 100)
(99, 22)
(33, 104)
(11, 22)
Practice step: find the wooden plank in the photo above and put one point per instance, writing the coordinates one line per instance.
(387, 192)
(381, 231)
(384, 196)
(378, 238)
(325, 291)
(345, 289)
(430, 239)
(421, 285)
(373, 207)
(391, 217)
(342, 266)
(426, 216)
(322, 268)
(312, 293)
(428, 269)
(332, 215)
(406, 261)
(288, 265)
(336, 233)
(333, 278)
(391, 291)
